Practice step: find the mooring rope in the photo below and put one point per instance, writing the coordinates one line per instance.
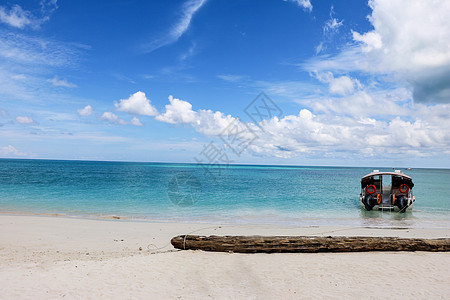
(156, 249)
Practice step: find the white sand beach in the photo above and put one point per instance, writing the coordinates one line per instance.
(49, 257)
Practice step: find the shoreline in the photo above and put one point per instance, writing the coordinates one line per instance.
(190, 227)
(383, 220)
(54, 256)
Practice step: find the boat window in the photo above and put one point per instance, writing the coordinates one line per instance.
(377, 182)
(386, 181)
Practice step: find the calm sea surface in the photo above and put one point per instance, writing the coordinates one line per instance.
(234, 194)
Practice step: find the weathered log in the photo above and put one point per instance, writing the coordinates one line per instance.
(292, 244)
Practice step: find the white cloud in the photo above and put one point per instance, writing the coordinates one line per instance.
(9, 150)
(34, 51)
(48, 6)
(61, 82)
(177, 112)
(332, 25)
(122, 77)
(112, 118)
(231, 78)
(375, 119)
(26, 63)
(363, 103)
(17, 17)
(330, 28)
(19, 77)
(137, 104)
(319, 48)
(371, 40)
(136, 122)
(342, 85)
(405, 35)
(190, 7)
(24, 120)
(204, 121)
(306, 4)
(406, 43)
(343, 126)
(330, 133)
(86, 111)
(190, 52)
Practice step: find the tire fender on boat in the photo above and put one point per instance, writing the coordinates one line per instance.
(368, 202)
(402, 203)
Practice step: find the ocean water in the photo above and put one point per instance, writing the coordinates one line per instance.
(283, 195)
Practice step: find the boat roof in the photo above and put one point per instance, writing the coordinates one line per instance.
(387, 173)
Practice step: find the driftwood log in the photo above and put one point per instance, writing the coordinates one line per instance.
(292, 244)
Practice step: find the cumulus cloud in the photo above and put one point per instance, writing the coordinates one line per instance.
(61, 82)
(86, 111)
(9, 150)
(371, 40)
(112, 118)
(137, 104)
(136, 122)
(306, 4)
(405, 37)
(364, 103)
(24, 120)
(405, 42)
(342, 85)
(345, 125)
(404, 57)
(204, 121)
(178, 111)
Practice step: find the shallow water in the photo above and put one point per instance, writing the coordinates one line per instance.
(203, 193)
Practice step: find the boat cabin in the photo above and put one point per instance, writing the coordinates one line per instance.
(387, 191)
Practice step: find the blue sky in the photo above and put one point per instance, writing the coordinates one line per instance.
(356, 82)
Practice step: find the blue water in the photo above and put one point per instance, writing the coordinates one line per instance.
(226, 194)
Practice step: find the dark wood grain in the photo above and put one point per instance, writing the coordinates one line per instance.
(293, 244)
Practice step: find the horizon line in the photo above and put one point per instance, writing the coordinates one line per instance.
(241, 164)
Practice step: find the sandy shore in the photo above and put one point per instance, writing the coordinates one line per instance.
(55, 257)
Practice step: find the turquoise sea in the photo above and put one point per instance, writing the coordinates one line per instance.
(283, 195)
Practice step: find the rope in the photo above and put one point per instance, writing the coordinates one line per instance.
(156, 249)
(331, 231)
(184, 240)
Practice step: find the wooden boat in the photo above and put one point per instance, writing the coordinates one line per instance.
(387, 191)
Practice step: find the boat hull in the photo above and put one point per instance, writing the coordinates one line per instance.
(388, 207)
